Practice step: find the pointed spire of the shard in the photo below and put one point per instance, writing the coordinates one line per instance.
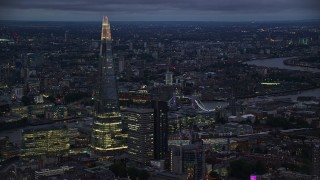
(107, 137)
(106, 32)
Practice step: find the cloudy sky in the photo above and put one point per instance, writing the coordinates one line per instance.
(161, 10)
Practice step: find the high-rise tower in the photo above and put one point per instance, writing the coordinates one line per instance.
(169, 75)
(107, 136)
(160, 129)
(148, 132)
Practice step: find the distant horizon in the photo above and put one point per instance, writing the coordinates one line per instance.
(220, 21)
(164, 10)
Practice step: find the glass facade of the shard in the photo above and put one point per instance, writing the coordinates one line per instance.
(107, 135)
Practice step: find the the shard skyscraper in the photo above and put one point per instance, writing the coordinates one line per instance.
(107, 137)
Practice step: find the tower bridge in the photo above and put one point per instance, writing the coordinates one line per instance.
(194, 101)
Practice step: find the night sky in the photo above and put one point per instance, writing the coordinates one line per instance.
(160, 10)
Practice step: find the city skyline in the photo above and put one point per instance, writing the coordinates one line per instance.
(140, 10)
(160, 100)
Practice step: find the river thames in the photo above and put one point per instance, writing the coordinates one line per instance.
(278, 63)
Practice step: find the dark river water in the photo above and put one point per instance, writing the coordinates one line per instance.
(278, 63)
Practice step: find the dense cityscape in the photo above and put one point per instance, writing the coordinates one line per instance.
(160, 100)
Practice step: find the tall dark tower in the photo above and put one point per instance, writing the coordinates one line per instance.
(107, 137)
(160, 129)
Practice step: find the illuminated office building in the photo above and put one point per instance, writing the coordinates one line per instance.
(107, 137)
(148, 132)
(56, 112)
(45, 141)
(140, 135)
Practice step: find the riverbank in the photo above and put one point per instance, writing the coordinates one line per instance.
(293, 62)
(23, 123)
(279, 64)
(13, 125)
(42, 122)
(282, 93)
